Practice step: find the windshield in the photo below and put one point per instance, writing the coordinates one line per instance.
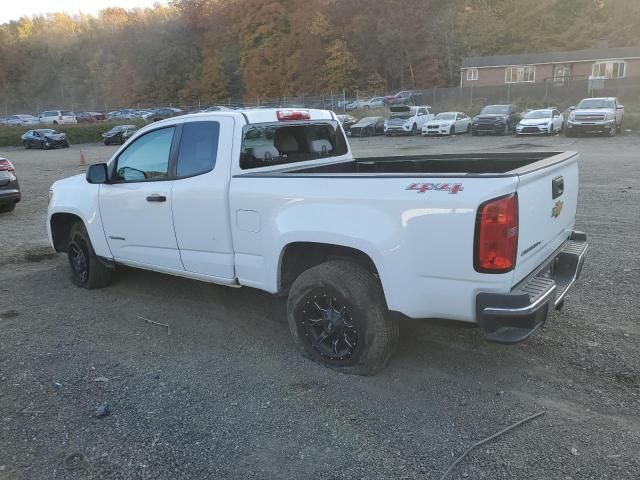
(496, 109)
(269, 144)
(538, 114)
(596, 103)
(47, 132)
(445, 116)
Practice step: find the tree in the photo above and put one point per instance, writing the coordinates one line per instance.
(339, 67)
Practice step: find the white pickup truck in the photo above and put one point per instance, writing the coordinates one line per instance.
(273, 199)
(597, 115)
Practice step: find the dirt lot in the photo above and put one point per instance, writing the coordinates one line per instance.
(226, 395)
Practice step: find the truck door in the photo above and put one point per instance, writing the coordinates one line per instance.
(201, 197)
(136, 205)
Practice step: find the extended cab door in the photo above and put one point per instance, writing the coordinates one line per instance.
(136, 205)
(201, 197)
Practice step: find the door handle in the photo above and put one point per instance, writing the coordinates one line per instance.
(156, 198)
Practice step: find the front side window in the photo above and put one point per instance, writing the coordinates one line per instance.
(198, 148)
(521, 73)
(472, 74)
(147, 158)
(269, 144)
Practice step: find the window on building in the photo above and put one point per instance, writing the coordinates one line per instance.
(611, 69)
(521, 73)
(472, 74)
(560, 73)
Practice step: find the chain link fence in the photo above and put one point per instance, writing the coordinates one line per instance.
(561, 94)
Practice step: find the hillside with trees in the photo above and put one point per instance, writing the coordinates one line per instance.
(211, 50)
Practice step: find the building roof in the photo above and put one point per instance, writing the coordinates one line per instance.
(552, 57)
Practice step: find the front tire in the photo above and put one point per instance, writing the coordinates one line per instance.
(452, 131)
(338, 318)
(43, 145)
(86, 269)
(26, 145)
(414, 130)
(613, 130)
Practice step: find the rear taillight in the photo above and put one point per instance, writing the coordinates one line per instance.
(293, 115)
(496, 239)
(6, 166)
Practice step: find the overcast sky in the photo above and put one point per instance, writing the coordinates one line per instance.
(14, 9)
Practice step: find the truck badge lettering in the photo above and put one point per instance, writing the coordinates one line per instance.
(452, 188)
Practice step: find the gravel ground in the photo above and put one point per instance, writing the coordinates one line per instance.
(225, 394)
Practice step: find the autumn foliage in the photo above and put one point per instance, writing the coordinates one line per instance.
(211, 50)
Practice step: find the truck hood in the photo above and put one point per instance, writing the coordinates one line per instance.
(70, 182)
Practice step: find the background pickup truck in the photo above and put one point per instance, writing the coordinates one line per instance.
(273, 199)
(603, 115)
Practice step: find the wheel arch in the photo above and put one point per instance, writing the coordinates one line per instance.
(297, 257)
(61, 224)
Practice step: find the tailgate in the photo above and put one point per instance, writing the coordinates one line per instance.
(547, 201)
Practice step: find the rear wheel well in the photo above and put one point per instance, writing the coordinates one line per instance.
(300, 256)
(61, 224)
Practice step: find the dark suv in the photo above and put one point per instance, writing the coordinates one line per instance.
(9, 188)
(496, 120)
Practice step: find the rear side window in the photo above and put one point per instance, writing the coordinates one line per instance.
(67, 114)
(198, 148)
(269, 144)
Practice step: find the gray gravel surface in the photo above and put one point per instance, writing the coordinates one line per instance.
(226, 395)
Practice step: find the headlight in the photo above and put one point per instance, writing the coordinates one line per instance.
(609, 116)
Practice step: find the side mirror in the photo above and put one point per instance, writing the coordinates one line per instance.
(620, 107)
(572, 108)
(97, 173)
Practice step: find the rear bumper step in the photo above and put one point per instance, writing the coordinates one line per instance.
(513, 317)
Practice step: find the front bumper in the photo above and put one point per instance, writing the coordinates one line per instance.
(440, 130)
(600, 127)
(397, 129)
(513, 317)
(488, 128)
(532, 129)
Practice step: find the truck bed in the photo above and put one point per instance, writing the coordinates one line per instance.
(444, 165)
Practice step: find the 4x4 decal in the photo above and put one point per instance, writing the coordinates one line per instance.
(452, 188)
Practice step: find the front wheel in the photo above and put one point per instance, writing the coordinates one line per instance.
(452, 131)
(468, 128)
(44, 145)
(86, 269)
(26, 145)
(613, 130)
(414, 129)
(338, 318)
(506, 129)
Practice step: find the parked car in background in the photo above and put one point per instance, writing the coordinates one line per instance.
(21, 119)
(216, 108)
(57, 117)
(9, 186)
(90, 117)
(347, 121)
(355, 105)
(596, 115)
(143, 113)
(374, 102)
(119, 134)
(367, 127)
(545, 121)
(447, 123)
(406, 97)
(496, 119)
(44, 138)
(162, 113)
(406, 120)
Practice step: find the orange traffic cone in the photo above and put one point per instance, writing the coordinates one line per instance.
(83, 161)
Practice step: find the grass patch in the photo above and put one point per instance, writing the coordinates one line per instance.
(80, 133)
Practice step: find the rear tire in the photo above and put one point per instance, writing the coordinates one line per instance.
(338, 318)
(86, 269)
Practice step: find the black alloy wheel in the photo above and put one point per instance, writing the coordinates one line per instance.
(328, 326)
(79, 261)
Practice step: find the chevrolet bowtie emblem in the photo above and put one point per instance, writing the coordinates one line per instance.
(557, 208)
